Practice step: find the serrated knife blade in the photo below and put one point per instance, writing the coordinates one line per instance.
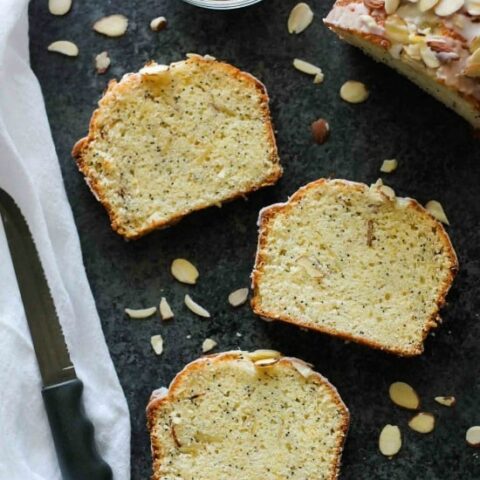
(48, 341)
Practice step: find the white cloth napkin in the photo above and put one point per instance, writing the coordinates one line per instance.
(29, 171)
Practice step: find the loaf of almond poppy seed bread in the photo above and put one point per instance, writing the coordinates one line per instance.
(435, 43)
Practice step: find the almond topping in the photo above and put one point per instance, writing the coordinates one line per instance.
(472, 68)
(388, 166)
(422, 422)
(473, 436)
(426, 5)
(436, 210)
(266, 362)
(306, 67)
(238, 297)
(208, 344)
(102, 63)
(154, 69)
(353, 92)
(390, 440)
(473, 7)
(158, 24)
(184, 271)
(59, 7)
(111, 26)
(320, 131)
(445, 8)
(403, 395)
(300, 18)
(429, 57)
(388, 191)
(391, 6)
(263, 354)
(165, 310)
(64, 47)
(195, 307)
(303, 368)
(157, 344)
(140, 312)
(446, 401)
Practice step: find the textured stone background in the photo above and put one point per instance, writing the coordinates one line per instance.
(438, 158)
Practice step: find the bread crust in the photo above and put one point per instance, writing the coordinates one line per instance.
(156, 402)
(266, 216)
(470, 105)
(82, 145)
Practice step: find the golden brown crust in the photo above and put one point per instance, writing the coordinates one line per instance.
(155, 403)
(83, 144)
(385, 44)
(264, 229)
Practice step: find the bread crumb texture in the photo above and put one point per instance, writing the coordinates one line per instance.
(167, 141)
(226, 418)
(345, 259)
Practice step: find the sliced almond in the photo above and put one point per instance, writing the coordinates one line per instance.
(300, 18)
(154, 69)
(64, 47)
(422, 422)
(391, 6)
(436, 209)
(375, 4)
(388, 191)
(208, 344)
(59, 7)
(403, 395)
(195, 307)
(353, 92)
(446, 8)
(238, 297)
(429, 57)
(426, 5)
(165, 310)
(473, 7)
(157, 344)
(390, 440)
(158, 24)
(473, 436)
(140, 312)
(102, 62)
(449, 401)
(303, 368)
(111, 26)
(306, 67)
(318, 78)
(472, 68)
(266, 362)
(388, 166)
(184, 271)
(263, 354)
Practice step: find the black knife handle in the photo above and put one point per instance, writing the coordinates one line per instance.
(73, 433)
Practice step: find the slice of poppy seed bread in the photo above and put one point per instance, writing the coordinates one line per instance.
(355, 262)
(169, 140)
(247, 416)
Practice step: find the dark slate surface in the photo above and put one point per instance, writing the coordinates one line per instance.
(438, 158)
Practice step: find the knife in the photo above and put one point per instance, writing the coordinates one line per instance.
(72, 431)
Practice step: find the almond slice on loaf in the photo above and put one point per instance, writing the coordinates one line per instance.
(433, 43)
(169, 140)
(346, 259)
(245, 416)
